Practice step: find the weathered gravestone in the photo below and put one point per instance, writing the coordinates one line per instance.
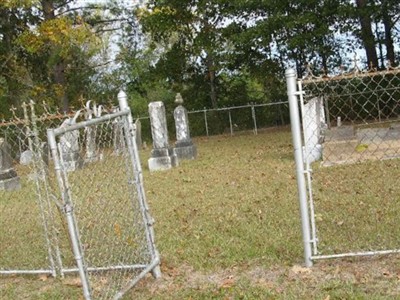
(138, 134)
(314, 124)
(162, 156)
(26, 157)
(184, 147)
(117, 133)
(9, 179)
(40, 158)
(92, 153)
(69, 146)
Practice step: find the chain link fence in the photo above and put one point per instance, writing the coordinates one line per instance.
(77, 206)
(227, 120)
(28, 217)
(348, 155)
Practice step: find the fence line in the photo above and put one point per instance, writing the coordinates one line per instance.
(226, 121)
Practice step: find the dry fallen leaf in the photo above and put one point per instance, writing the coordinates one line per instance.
(228, 282)
(43, 277)
(72, 281)
(296, 269)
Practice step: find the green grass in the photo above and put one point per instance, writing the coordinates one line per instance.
(227, 227)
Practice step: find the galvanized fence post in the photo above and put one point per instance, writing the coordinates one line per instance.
(205, 120)
(230, 121)
(253, 114)
(298, 155)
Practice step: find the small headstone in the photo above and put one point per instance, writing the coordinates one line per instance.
(92, 154)
(138, 134)
(69, 146)
(118, 137)
(184, 147)
(162, 156)
(26, 157)
(9, 179)
(45, 152)
(91, 149)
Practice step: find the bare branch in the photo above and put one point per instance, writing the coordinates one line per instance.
(77, 9)
(105, 21)
(107, 30)
(66, 2)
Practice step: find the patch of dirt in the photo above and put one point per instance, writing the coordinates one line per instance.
(373, 273)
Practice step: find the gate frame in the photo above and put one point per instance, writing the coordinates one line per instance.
(68, 207)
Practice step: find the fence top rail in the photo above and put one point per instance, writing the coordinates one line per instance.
(309, 79)
(225, 108)
(44, 117)
(80, 125)
(13, 123)
(237, 107)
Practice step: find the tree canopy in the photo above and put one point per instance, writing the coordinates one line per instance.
(216, 53)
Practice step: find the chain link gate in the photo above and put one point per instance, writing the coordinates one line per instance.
(98, 172)
(88, 194)
(346, 135)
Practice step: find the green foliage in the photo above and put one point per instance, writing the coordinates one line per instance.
(49, 51)
(214, 52)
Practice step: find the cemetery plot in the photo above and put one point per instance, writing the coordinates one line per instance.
(354, 143)
(231, 216)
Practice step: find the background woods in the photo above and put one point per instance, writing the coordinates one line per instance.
(215, 53)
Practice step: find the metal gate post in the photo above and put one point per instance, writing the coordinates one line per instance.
(123, 105)
(230, 122)
(290, 75)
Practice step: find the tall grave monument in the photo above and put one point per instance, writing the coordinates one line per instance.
(184, 147)
(69, 146)
(314, 126)
(92, 152)
(162, 156)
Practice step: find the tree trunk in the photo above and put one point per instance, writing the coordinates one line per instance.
(59, 67)
(387, 23)
(211, 76)
(9, 64)
(48, 9)
(324, 63)
(59, 79)
(367, 35)
(381, 58)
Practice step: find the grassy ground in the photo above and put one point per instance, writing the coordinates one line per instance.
(227, 227)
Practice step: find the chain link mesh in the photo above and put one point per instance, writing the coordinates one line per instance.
(97, 166)
(28, 217)
(351, 128)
